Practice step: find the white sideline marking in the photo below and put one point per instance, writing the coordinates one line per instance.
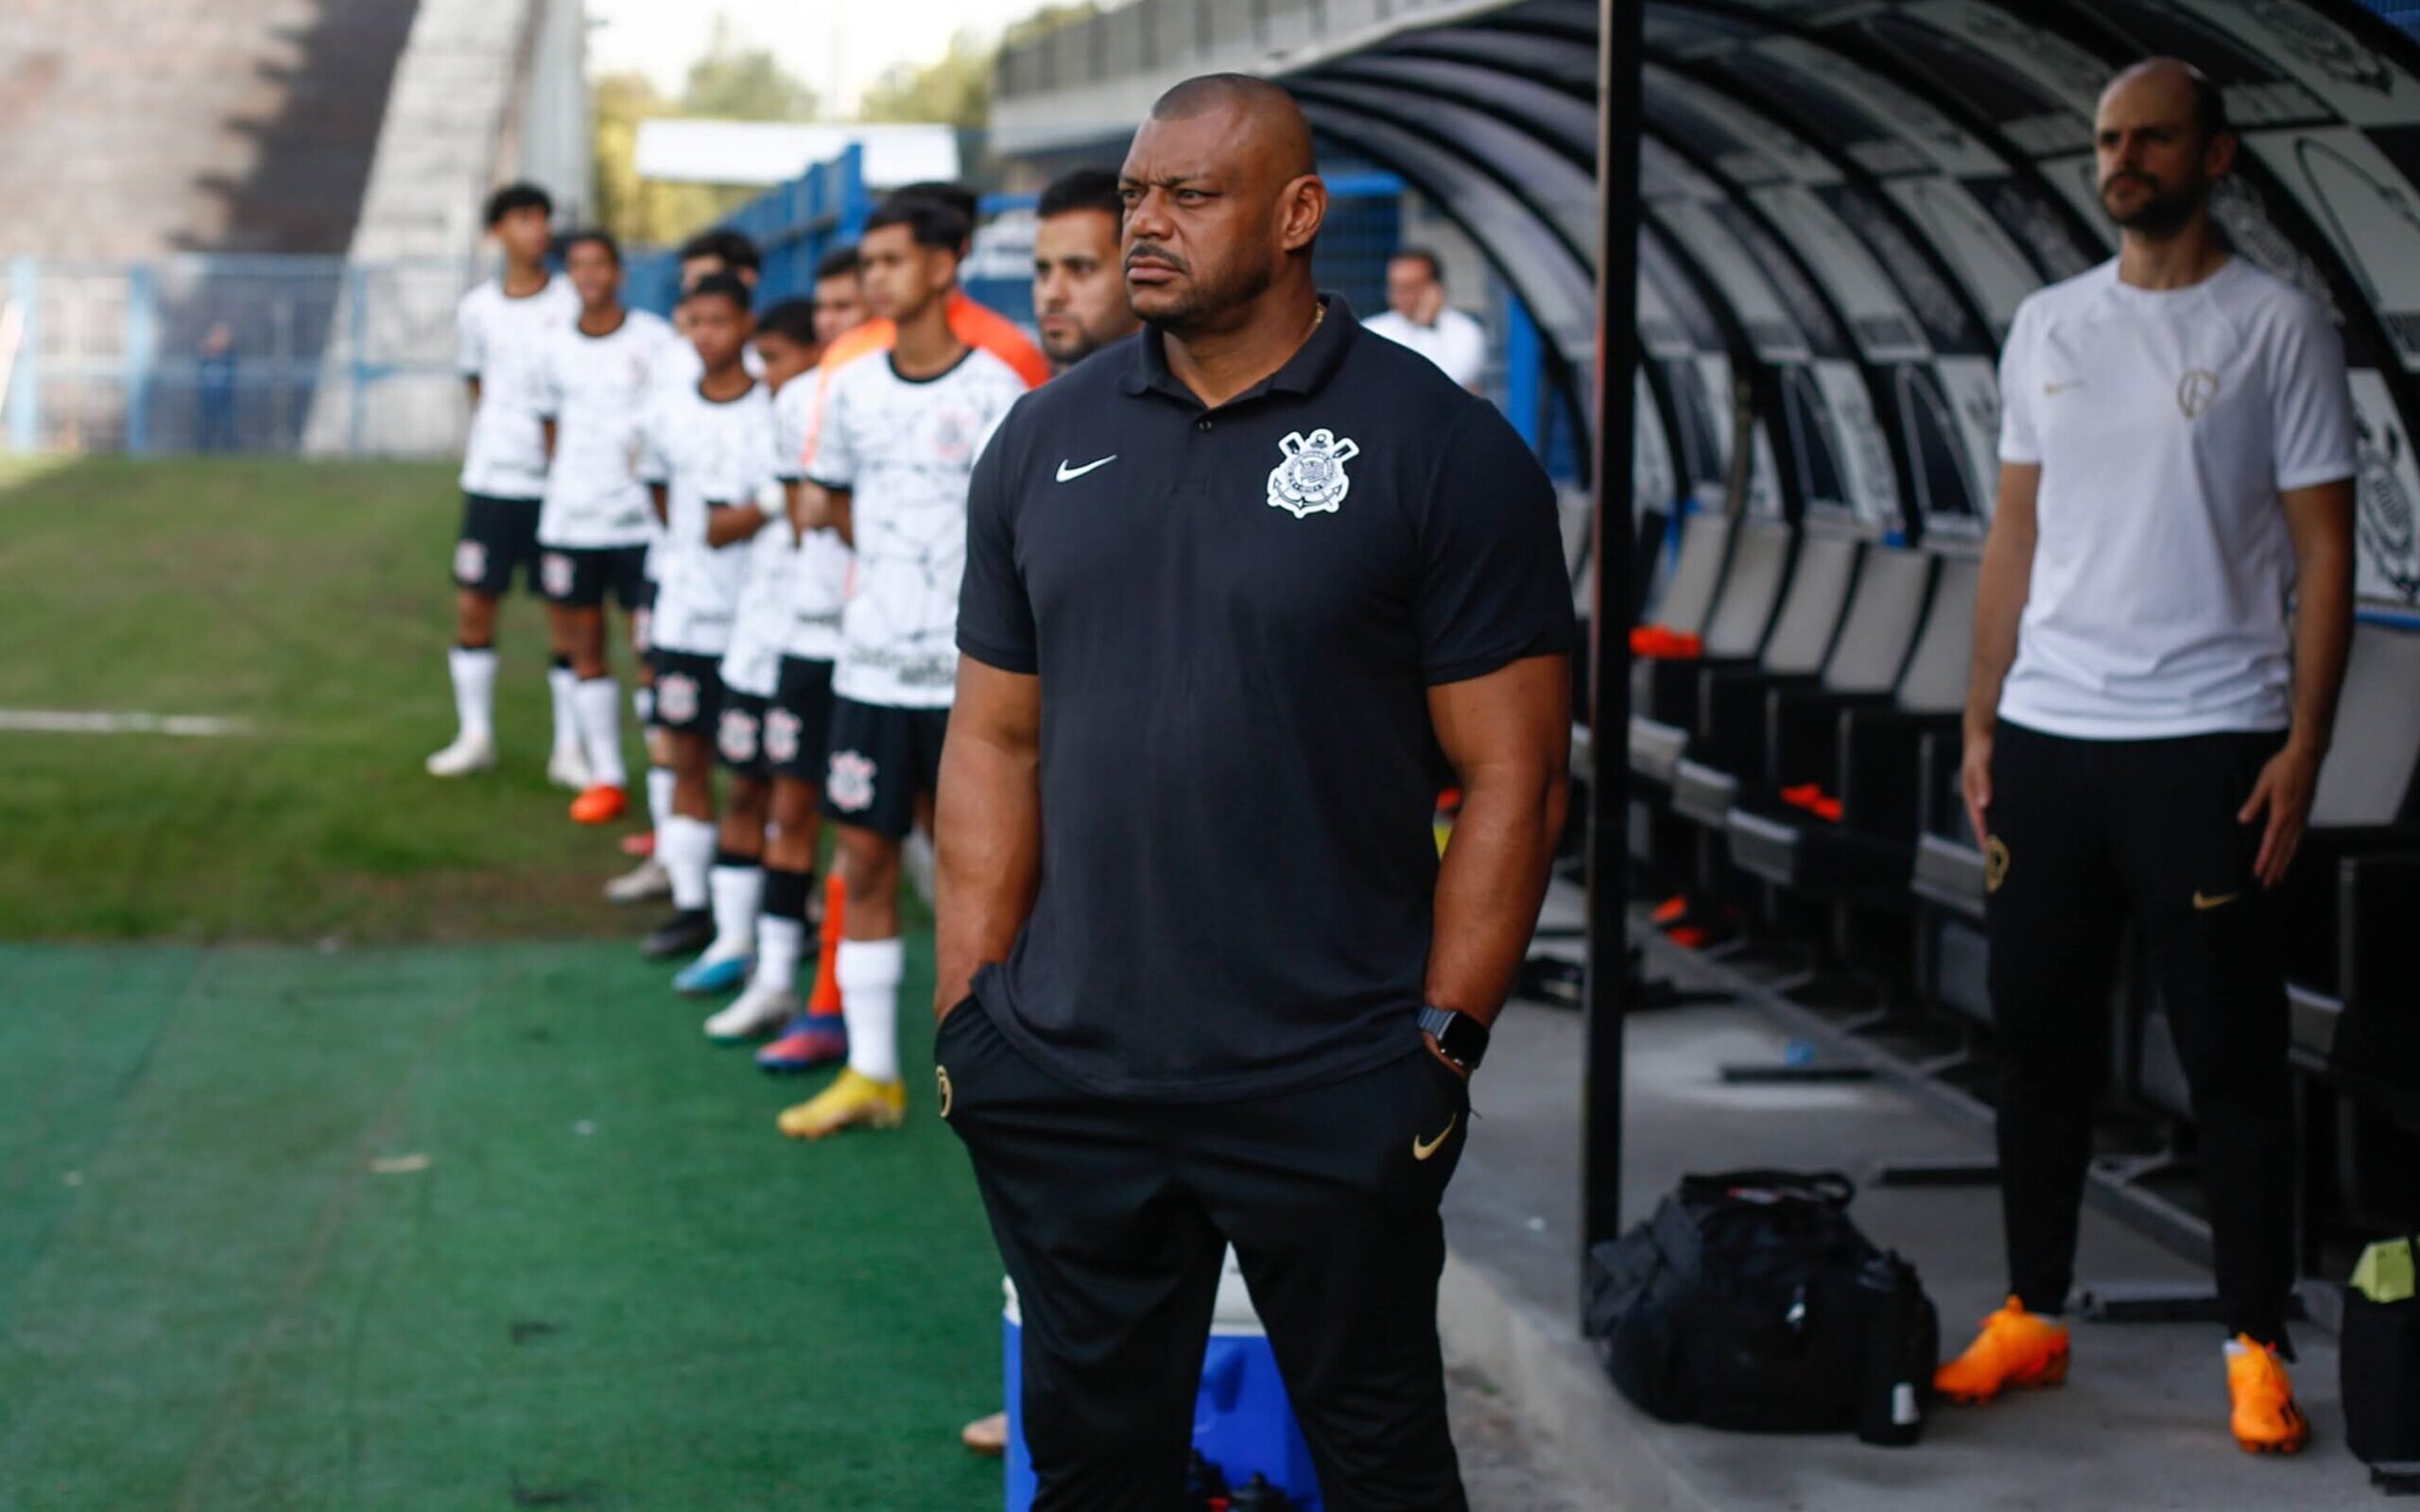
(103, 722)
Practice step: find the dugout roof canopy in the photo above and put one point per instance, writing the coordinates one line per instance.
(1842, 203)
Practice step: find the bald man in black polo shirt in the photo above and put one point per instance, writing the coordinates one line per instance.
(1234, 587)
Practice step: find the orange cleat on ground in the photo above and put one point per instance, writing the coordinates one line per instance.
(599, 805)
(2016, 1351)
(2266, 1421)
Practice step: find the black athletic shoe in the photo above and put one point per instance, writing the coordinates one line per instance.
(686, 933)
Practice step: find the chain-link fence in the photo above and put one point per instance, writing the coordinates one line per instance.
(252, 353)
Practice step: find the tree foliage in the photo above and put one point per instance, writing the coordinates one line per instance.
(954, 89)
(732, 82)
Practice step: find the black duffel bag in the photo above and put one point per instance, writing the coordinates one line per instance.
(1750, 1301)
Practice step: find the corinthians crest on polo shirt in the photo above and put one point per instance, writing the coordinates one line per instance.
(1311, 480)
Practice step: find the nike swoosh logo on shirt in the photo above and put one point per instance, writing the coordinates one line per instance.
(2061, 389)
(1422, 1150)
(2203, 902)
(1068, 473)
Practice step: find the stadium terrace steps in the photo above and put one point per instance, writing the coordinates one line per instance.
(138, 128)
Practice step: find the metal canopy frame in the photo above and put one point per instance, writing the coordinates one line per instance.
(1938, 146)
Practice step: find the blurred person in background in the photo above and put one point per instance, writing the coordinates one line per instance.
(798, 724)
(1079, 286)
(503, 326)
(1418, 316)
(214, 391)
(2160, 636)
(897, 431)
(718, 252)
(708, 463)
(839, 297)
(595, 526)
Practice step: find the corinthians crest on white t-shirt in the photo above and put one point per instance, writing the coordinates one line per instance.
(1311, 480)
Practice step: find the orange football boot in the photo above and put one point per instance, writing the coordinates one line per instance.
(601, 804)
(2266, 1421)
(2016, 1350)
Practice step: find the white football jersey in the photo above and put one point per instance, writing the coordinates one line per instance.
(753, 662)
(904, 450)
(501, 342)
(596, 389)
(704, 453)
(819, 581)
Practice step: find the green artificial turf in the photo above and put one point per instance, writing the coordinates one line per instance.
(311, 600)
(590, 1276)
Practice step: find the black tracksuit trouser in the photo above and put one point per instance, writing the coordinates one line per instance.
(2083, 834)
(1112, 1216)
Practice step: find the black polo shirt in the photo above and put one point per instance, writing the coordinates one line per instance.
(1235, 615)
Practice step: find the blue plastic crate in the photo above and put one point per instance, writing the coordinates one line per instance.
(1241, 1419)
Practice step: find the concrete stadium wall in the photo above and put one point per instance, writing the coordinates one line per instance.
(486, 91)
(141, 128)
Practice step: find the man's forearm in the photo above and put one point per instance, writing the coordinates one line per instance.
(730, 523)
(2323, 640)
(1491, 885)
(1999, 606)
(988, 844)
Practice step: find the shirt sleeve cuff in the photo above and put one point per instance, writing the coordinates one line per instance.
(2019, 457)
(828, 484)
(1553, 640)
(2312, 477)
(992, 655)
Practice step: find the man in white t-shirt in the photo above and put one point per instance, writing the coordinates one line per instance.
(501, 326)
(902, 422)
(594, 525)
(1418, 316)
(2160, 636)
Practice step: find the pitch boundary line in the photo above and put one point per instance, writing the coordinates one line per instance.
(113, 722)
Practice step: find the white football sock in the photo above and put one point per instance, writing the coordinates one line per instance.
(868, 972)
(686, 847)
(598, 704)
(473, 689)
(780, 942)
(659, 797)
(738, 892)
(563, 685)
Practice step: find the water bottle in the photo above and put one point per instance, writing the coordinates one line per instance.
(1890, 1381)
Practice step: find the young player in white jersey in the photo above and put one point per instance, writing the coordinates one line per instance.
(596, 525)
(896, 443)
(501, 326)
(792, 337)
(784, 347)
(702, 256)
(708, 462)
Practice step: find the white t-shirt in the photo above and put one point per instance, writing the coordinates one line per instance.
(905, 449)
(706, 452)
(751, 663)
(596, 389)
(1456, 343)
(818, 582)
(2165, 424)
(501, 342)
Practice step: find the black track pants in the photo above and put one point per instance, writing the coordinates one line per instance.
(1111, 1216)
(2086, 834)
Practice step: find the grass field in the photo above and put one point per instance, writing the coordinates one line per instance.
(311, 601)
(350, 1158)
(447, 1229)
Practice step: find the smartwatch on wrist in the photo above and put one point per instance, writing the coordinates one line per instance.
(1462, 1038)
